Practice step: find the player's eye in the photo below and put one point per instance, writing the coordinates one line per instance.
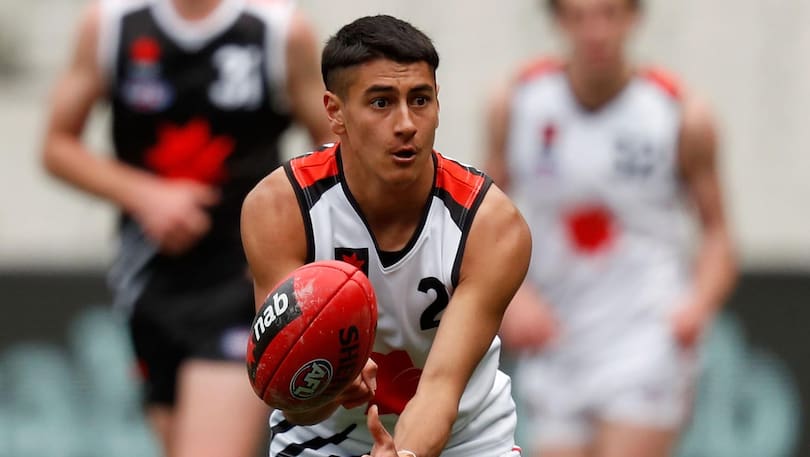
(379, 103)
(421, 100)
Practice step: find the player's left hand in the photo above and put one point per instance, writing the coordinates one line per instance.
(383, 441)
(688, 324)
(362, 390)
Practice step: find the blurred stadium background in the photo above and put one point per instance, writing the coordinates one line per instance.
(65, 384)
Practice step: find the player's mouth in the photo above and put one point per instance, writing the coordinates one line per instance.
(404, 155)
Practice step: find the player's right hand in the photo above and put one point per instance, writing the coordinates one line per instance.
(173, 213)
(528, 324)
(362, 390)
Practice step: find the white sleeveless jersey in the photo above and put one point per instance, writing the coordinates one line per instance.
(413, 287)
(601, 193)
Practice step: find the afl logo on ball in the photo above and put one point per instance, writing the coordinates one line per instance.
(311, 379)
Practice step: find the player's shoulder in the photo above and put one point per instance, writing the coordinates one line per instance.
(499, 235)
(696, 114)
(119, 6)
(499, 209)
(296, 173)
(276, 12)
(108, 12)
(663, 80)
(270, 207)
(462, 183)
(271, 4)
(309, 169)
(273, 191)
(538, 68)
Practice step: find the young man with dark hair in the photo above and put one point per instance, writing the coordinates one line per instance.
(200, 93)
(602, 158)
(444, 249)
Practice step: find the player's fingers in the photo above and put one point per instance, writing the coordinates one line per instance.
(205, 195)
(369, 375)
(175, 242)
(182, 237)
(195, 224)
(378, 431)
(354, 402)
(357, 394)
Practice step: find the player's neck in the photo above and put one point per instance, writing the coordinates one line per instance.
(393, 213)
(194, 10)
(595, 89)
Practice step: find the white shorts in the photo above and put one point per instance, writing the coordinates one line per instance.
(496, 439)
(643, 379)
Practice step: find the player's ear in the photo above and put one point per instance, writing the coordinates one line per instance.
(438, 105)
(334, 111)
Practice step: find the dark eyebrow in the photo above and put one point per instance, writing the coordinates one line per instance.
(422, 88)
(375, 89)
(379, 88)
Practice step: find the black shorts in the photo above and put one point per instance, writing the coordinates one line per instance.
(169, 327)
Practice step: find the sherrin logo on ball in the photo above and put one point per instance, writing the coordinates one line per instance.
(312, 335)
(311, 379)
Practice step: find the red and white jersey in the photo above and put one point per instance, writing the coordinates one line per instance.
(601, 192)
(413, 287)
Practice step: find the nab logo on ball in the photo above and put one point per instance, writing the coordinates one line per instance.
(278, 310)
(311, 379)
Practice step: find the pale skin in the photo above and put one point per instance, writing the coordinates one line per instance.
(596, 32)
(216, 412)
(386, 114)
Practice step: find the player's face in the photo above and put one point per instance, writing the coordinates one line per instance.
(388, 117)
(596, 30)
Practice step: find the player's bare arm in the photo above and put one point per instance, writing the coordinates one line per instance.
(75, 93)
(172, 214)
(273, 234)
(495, 262)
(715, 269)
(275, 244)
(305, 87)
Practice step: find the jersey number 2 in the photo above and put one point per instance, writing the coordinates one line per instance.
(429, 317)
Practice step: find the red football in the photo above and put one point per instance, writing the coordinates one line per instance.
(312, 336)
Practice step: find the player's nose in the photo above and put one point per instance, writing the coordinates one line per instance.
(404, 125)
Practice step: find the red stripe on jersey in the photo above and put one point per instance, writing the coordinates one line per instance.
(458, 181)
(664, 80)
(539, 67)
(314, 167)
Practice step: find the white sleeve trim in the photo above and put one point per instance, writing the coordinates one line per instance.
(111, 13)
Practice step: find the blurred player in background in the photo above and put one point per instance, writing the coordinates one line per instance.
(602, 157)
(444, 250)
(200, 93)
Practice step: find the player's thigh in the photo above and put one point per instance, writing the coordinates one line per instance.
(614, 439)
(217, 412)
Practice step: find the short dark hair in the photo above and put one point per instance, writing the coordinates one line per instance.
(375, 37)
(554, 5)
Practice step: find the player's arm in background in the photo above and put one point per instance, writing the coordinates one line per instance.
(715, 264)
(275, 244)
(495, 261)
(529, 324)
(171, 214)
(304, 84)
